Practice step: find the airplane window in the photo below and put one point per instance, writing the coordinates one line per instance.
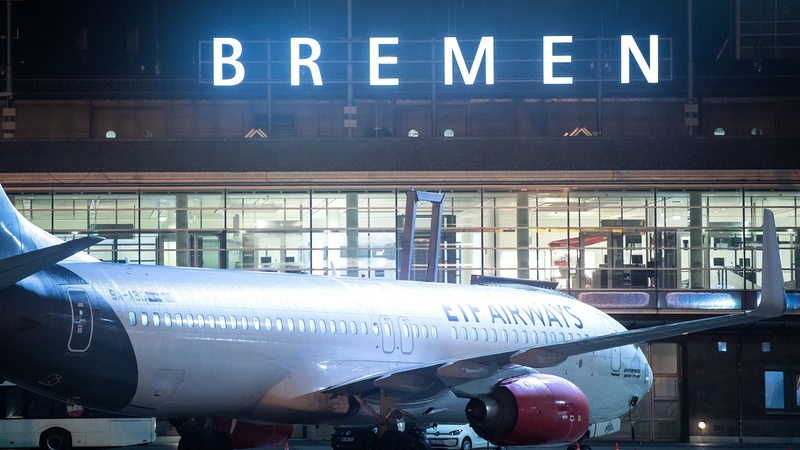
(322, 327)
(415, 328)
(544, 337)
(485, 334)
(278, 325)
(312, 326)
(434, 332)
(505, 335)
(569, 336)
(515, 335)
(363, 327)
(561, 337)
(332, 326)
(387, 329)
(464, 333)
(243, 321)
(256, 323)
(353, 328)
(211, 322)
(156, 319)
(222, 322)
(290, 324)
(178, 320)
(342, 327)
(474, 334)
(375, 329)
(301, 325)
(232, 322)
(406, 330)
(524, 336)
(132, 318)
(494, 335)
(201, 321)
(167, 320)
(144, 319)
(454, 333)
(553, 337)
(189, 321)
(268, 324)
(425, 331)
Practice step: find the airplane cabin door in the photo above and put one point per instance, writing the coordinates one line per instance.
(387, 334)
(616, 360)
(82, 325)
(406, 336)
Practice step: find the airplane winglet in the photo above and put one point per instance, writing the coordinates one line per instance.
(773, 295)
(18, 267)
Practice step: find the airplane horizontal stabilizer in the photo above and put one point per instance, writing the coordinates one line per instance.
(18, 267)
(773, 304)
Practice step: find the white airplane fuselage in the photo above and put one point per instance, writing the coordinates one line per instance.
(268, 346)
(232, 355)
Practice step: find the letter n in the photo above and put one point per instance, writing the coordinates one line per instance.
(628, 47)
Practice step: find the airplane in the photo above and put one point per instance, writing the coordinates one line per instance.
(234, 358)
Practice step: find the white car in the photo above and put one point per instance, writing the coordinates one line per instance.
(454, 436)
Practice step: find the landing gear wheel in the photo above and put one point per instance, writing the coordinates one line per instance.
(189, 441)
(394, 440)
(55, 439)
(217, 441)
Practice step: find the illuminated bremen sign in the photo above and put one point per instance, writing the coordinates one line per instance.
(229, 61)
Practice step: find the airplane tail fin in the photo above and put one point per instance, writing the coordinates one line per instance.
(19, 236)
(773, 295)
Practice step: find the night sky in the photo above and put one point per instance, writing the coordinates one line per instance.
(151, 39)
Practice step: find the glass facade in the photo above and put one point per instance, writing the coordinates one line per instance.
(649, 239)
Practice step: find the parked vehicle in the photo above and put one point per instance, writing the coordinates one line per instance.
(454, 436)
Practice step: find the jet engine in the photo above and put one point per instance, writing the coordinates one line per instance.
(534, 409)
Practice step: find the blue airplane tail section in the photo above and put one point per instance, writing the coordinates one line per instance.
(17, 234)
(26, 249)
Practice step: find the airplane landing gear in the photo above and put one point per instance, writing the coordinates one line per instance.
(200, 435)
(580, 446)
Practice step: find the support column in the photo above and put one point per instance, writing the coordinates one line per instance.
(182, 247)
(698, 277)
(523, 236)
(351, 221)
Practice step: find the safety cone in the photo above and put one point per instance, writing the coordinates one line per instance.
(286, 445)
(578, 446)
(616, 446)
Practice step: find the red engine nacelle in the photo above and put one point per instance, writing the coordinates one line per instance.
(535, 409)
(254, 435)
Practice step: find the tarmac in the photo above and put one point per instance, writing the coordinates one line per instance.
(171, 443)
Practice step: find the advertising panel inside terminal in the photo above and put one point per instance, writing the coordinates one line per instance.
(390, 61)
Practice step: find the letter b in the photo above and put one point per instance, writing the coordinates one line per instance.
(232, 60)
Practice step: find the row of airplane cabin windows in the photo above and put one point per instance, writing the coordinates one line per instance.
(291, 325)
(521, 336)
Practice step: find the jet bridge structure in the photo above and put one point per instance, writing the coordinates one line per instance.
(409, 227)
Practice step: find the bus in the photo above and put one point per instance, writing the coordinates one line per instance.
(30, 420)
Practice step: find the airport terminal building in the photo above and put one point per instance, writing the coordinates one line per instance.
(624, 151)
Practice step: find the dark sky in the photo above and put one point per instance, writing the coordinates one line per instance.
(158, 39)
(119, 38)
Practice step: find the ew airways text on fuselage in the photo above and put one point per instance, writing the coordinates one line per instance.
(246, 347)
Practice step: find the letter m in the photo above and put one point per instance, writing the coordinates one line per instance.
(453, 51)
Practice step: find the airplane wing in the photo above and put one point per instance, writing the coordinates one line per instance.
(18, 267)
(467, 375)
